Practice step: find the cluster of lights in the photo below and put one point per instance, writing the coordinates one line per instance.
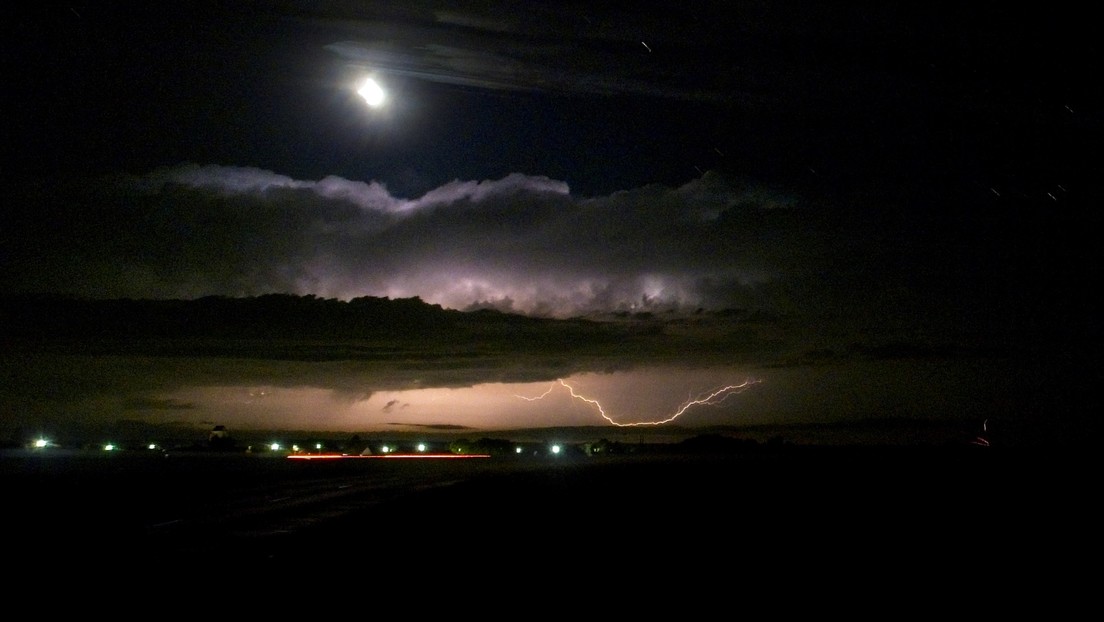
(389, 451)
(45, 443)
(318, 447)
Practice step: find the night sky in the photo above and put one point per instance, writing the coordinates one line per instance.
(917, 179)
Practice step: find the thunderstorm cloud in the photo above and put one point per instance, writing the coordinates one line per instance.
(521, 243)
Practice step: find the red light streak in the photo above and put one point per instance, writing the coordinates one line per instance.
(344, 457)
(710, 399)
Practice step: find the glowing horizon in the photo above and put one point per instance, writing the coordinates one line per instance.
(653, 395)
(710, 398)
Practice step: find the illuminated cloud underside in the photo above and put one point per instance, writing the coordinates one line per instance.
(521, 243)
(651, 395)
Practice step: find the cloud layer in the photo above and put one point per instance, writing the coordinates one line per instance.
(520, 243)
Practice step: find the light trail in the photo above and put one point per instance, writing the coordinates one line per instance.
(716, 397)
(381, 456)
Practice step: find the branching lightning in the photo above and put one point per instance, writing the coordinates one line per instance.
(710, 399)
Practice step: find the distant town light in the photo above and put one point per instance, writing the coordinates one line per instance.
(555, 449)
(109, 447)
(40, 443)
(274, 447)
(421, 446)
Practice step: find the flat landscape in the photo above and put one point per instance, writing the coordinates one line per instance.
(273, 512)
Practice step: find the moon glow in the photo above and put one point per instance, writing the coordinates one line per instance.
(372, 93)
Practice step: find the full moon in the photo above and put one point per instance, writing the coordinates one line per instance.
(371, 92)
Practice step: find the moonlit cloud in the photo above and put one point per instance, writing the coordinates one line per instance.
(521, 243)
(488, 52)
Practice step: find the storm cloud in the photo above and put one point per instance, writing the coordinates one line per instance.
(521, 243)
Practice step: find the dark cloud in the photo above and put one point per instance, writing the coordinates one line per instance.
(150, 403)
(440, 427)
(528, 244)
(521, 243)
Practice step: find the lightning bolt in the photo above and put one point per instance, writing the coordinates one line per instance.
(710, 399)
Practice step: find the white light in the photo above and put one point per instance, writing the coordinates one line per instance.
(109, 447)
(372, 93)
(421, 447)
(555, 449)
(274, 447)
(42, 443)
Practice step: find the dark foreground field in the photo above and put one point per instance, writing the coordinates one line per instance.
(252, 510)
(846, 529)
